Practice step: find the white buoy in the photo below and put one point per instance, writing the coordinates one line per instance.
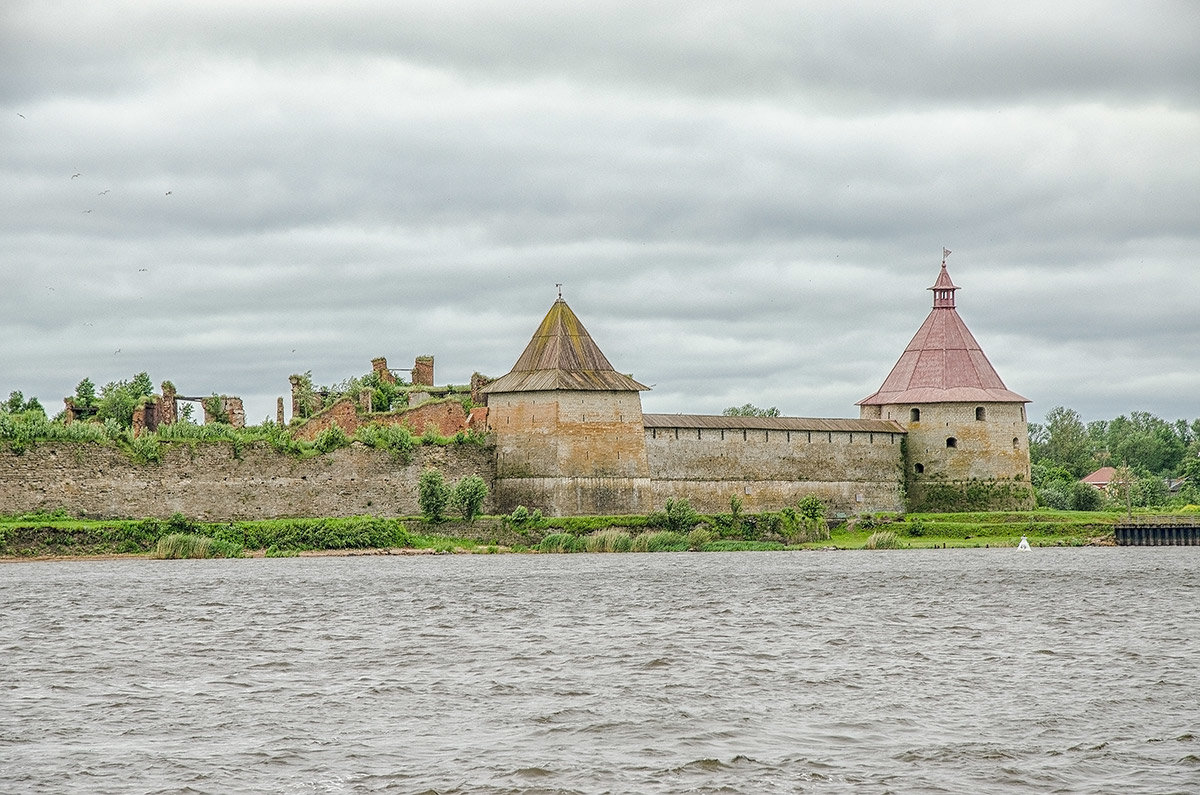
(1024, 544)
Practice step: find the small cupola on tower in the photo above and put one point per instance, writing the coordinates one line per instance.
(943, 289)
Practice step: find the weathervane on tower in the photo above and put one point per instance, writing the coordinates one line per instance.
(559, 286)
(945, 253)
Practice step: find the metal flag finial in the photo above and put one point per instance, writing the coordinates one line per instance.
(559, 286)
(945, 253)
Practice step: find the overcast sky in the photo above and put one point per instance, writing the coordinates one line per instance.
(744, 202)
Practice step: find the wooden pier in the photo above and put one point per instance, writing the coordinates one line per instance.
(1159, 531)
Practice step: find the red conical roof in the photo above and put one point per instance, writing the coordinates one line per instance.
(943, 363)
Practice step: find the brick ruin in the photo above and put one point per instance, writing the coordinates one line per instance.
(156, 410)
(425, 405)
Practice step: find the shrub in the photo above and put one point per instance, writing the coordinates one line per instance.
(700, 538)
(561, 542)
(433, 495)
(811, 507)
(354, 532)
(1054, 496)
(608, 540)
(395, 439)
(1085, 497)
(678, 517)
(468, 496)
(146, 449)
(179, 546)
(882, 539)
(330, 439)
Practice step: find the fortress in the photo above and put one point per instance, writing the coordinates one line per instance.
(567, 435)
(942, 431)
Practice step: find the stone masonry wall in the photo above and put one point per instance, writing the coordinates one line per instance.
(206, 481)
(994, 447)
(769, 469)
(990, 446)
(570, 452)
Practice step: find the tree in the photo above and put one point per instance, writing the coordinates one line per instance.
(1147, 443)
(750, 410)
(1121, 487)
(119, 399)
(85, 394)
(433, 494)
(1064, 441)
(17, 404)
(468, 496)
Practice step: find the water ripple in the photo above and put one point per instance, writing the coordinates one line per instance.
(908, 671)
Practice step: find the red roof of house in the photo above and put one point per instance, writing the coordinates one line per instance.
(943, 363)
(1101, 477)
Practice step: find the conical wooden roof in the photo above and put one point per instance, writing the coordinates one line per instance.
(562, 355)
(943, 363)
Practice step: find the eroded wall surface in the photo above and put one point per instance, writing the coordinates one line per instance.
(852, 472)
(208, 481)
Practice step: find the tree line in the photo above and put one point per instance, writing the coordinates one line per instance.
(1150, 454)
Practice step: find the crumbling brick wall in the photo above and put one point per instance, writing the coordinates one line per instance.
(447, 417)
(167, 412)
(343, 414)
(422, 373)
(478, 382)
(380, 368)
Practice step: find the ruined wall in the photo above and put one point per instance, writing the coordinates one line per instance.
(207, 481)
(851, 471)
(422, 372)
(569, 452)
(446, 416)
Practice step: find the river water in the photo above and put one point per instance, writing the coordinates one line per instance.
(1057, 670)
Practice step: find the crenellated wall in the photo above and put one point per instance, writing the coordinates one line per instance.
(853, 470)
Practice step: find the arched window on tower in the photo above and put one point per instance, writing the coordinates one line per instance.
(914, 415)
(1016, 443)
(919, 469)
(951, 441)
(980, 414)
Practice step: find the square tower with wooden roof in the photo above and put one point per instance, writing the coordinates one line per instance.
(966, 430)
(568, 427)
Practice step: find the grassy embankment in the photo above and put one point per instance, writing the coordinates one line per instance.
(35, 535)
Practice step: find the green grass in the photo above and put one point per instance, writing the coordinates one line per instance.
(55, 533)
(997, 529)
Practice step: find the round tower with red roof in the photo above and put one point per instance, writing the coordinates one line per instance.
(968, 439)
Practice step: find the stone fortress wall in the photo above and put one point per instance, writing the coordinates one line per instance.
(209, 482)
(854, 466)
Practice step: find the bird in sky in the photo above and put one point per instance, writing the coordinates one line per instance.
(87, 211)
(143, 270)
(106, 190)
(22, 115)
(77, 174)
(168, 193)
